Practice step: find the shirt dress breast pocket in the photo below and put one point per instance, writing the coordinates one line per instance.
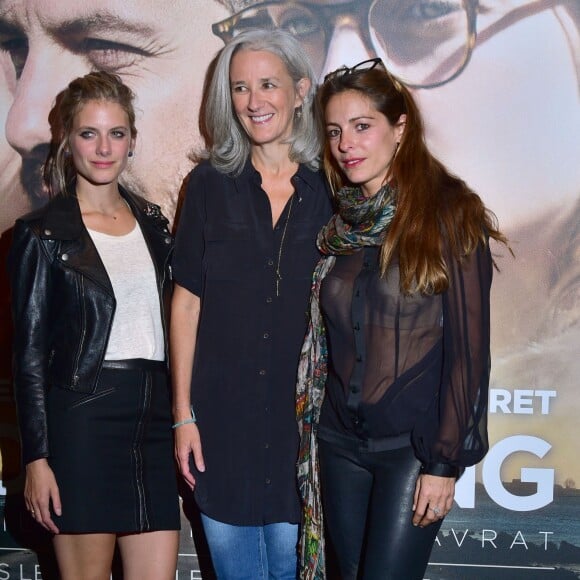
(227, 250)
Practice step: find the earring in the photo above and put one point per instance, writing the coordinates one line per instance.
(298, 112)
(130, 154)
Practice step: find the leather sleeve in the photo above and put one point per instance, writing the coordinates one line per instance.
(29, 267)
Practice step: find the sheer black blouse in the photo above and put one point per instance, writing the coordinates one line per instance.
(416, 364)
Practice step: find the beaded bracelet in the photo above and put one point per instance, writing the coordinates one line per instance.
(185, 421)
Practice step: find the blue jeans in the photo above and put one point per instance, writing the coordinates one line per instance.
(252, 552)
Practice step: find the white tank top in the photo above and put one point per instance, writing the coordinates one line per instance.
(137, 330)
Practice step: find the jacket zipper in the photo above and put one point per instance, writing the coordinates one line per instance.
(75, 377)
(160, 277)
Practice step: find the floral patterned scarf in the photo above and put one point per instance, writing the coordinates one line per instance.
(360, 221)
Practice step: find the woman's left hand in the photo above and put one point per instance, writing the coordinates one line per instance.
(433, 498)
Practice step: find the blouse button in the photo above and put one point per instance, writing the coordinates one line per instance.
(167, 240)
(266, 335)
(262, 372)
(64, 257)
(270, 262)
(269, 300)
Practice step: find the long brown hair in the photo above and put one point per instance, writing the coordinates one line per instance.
(434, 208)
(59, 170)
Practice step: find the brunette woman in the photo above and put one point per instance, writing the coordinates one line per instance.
(398, 344)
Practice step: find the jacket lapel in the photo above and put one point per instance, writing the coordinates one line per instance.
(63, 223)
(154, 227)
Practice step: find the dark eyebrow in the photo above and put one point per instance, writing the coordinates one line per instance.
(353, 119)
(7, 27)
(98, 22)
(361, 118)
(262, 80)
(96, 128)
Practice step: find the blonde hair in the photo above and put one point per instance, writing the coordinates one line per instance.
(59, 170)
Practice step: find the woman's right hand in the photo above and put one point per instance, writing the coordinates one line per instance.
(40, 490)
(188, 441)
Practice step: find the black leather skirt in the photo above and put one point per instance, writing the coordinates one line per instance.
(112, 452)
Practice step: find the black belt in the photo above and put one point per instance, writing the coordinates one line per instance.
(134, 364)
(370, 445)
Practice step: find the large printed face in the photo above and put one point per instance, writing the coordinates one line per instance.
(12, 202)
(156, 48)
(503, 115)
(498, 83)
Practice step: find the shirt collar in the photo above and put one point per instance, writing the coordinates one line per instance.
(303, 175)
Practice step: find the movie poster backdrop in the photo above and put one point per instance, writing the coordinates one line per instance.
(498, 82)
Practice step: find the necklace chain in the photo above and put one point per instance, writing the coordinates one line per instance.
(121, 203)
(278, 274)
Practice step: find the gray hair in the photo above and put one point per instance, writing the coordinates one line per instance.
(229, 145)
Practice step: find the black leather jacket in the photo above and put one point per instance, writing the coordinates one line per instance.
(63, 305)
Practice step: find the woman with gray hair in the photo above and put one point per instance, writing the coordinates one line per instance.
(244, 256)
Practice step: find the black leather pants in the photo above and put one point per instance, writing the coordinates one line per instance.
(367, 500)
